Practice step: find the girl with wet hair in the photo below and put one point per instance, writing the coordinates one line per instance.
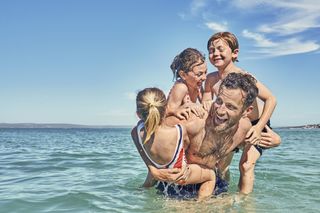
(189, 70)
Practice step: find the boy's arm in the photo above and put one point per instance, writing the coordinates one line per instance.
(208, 93)
(270, 103)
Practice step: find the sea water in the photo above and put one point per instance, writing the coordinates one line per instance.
(100, 170)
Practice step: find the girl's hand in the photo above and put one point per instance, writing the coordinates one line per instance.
(183, 113)
(197, 109)
(207, 105)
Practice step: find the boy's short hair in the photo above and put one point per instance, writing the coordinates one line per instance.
(228, 37)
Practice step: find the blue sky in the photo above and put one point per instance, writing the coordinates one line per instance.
(82, 61)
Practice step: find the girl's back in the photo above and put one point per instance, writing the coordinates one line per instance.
(162, 148)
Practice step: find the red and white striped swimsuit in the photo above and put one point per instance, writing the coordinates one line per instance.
(178, 159)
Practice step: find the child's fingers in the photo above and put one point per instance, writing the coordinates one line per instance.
(249, 134)
(267, 128)
(194, 110)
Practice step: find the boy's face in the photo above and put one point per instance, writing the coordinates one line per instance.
(220, 54)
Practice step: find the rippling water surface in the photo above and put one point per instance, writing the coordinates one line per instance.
(99, 170)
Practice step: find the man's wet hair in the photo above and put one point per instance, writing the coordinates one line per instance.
(245, 82)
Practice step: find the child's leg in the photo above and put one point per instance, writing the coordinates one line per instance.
(206, 189)
(247, 163)
(202, 175)
(199, 174)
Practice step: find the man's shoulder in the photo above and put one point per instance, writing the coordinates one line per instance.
(194, 124)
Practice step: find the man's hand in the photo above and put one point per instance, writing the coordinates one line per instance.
(253, 136)
(269, 139)
(170, 175)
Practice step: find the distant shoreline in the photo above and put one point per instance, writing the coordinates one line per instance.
(80, 126)
(57, 126)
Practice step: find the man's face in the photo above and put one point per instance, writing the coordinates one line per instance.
(227, 108)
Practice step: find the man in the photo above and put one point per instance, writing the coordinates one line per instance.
(214, 137)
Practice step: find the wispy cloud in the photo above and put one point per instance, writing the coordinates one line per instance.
(130, 95)
(196, 6)
(289, 27)
(116, 113)
(282, 30)
(289, 46)
(217, 27)
(296, 15)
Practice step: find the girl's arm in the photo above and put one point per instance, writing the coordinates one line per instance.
(270, 103)
(175, 101)
(177, 108)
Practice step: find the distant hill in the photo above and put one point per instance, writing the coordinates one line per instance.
(57, 125)
(308, 126)
(79, 126)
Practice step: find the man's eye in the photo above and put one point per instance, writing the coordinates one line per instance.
(231, 107)
(219, 101)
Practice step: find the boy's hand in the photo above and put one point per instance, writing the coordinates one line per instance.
(253, 136)
(269, 139)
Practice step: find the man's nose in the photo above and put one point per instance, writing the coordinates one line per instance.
(204, 77)
(221, 110)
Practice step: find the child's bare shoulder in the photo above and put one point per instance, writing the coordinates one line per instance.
(247, 72)
(178, 87)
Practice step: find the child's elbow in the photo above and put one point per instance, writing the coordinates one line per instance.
(274, 100)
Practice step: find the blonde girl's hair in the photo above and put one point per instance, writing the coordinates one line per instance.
(228, 37)
(151, 106)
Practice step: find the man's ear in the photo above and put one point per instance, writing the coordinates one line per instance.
(247, 111)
